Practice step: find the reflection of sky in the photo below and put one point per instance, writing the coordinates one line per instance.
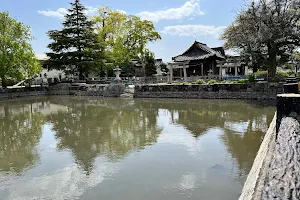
(240, 127)
(208, 148)
(65, 183)
(176, 134)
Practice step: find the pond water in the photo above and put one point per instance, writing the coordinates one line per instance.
(87, 148)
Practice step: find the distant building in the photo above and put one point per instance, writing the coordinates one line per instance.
(140, 70)
(50, 75)
(199, 60)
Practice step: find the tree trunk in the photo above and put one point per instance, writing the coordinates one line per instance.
(4, 82)
(255, 67)
(81, 77)
(272, 62)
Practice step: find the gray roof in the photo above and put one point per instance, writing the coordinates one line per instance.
(198, 51)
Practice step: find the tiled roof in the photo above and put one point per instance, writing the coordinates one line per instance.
(198, 51)
(220, 50)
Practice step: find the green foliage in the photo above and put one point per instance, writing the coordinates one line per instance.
(199, 82)
(76, 48)
(261, 73)
(211, 82)
(251, 78)
(17, 59)
(243, 81)
(251, 30)
(164, 68)
(296, 56)
(125, 36)
(127, 68)
(149, 62)
(281, 74)
(180, 83)
(291, 73)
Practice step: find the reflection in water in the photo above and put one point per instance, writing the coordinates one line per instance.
(244, 124)
(20, 132)
(91, 130)
(114, 148)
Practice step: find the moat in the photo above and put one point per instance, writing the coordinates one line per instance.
(91, 148)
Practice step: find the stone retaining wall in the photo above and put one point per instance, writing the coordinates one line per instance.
(105, 90)
(261, 91)
(216, 91)
(22, 92)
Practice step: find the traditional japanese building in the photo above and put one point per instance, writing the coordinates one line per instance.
(198, 60)
(201, 60)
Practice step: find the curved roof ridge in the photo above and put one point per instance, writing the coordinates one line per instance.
(208, 52)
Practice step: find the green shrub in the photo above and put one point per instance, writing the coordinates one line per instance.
(261, 73)
(199, 82)
(224, 82)
(291, 72)
(180, 83)
(251, 78)
(282, 74)
(211, 82)
(243, 81)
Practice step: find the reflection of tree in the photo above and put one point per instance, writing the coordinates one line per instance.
(90, 129)
(199, 115)
(19, 135)
(243, 148)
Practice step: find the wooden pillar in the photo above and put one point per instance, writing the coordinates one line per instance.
(184, 73)
(235, 69)
(220, 71)
(202, 74)
(180, 72)
(171, 73)
(246, 70)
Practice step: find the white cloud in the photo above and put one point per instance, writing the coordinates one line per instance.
(41, 56)
(122, 11)
(193, 30)
(190, 8)
(66, 183)
(61, 12)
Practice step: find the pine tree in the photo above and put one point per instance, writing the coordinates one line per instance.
(149, 61)
(75, 48)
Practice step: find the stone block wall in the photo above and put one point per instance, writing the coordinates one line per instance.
(13, 93)
(105, 90)
(259, 91)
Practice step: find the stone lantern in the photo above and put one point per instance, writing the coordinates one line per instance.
(117, 72)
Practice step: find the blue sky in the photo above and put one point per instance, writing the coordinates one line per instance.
(180, 22)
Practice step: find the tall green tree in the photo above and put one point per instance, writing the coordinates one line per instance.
(125, 36)
(149, 62)
(75, 48)
(266, 31)
(17, 59)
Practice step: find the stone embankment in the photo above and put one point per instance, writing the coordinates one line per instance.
(275, 173)
(260, 91)
(13, 93)
(105, 90)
